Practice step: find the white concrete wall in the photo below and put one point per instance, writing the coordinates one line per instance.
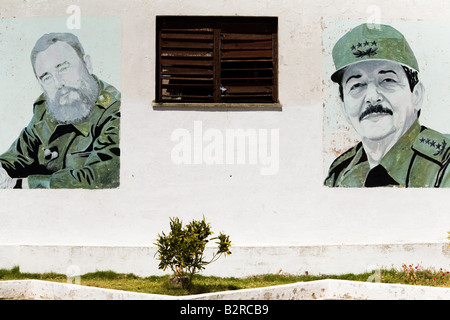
(289, 209)
(244, 260)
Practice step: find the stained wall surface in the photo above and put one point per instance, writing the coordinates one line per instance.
(288, 207)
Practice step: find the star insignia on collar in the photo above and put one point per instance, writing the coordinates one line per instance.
(440, 148)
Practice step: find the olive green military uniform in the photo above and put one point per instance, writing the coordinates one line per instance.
(83, 155)
(420, 158)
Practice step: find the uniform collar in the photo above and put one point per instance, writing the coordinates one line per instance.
(395, 162)
(397, 159)
(104, 100)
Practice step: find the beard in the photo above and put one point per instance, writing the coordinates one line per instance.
(72, 105)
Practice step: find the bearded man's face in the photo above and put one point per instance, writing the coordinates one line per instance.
(68, 85)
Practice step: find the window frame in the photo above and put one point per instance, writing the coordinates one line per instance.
(216, 24)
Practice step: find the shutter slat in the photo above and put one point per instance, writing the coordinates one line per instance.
(243, 54)
(185, 62)
(234, 96)
(243, 78)
(185, 97)
(187, 36)
(246, 45)
(248, 89)
(186, 54)
(186, 85)
(170, 77)
(186, 45)
(186, 71)
(245, 36)
(245, 69)
(187, 29)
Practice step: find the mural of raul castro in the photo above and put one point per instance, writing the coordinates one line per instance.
(378, 78)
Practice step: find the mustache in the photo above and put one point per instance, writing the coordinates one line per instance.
(64, 90)
(378, 108)
(83, 95)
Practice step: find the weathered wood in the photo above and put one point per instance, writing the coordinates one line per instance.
(199, 56)
(237, 96)
(245, 69)
(186, 54)
(247, 45)
(217, 65)
(185, 71)
(191, 36)
(247, 89)
(240, 54)
(177, 97)
(177, 61)
(187, 85)
(246, 60)
(187, 29)
(245, 36)
(187, 45)
(188, 78)
(275, 66)
(246, 78)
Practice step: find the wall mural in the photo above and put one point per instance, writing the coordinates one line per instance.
(379, 88)
(72, 140)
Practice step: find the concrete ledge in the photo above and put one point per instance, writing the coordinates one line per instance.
(244, 260)
(313, 290)
(48, 290)
(216, 106)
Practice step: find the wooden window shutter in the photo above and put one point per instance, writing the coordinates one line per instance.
(248, 60)
(216, 59)
(186, 61)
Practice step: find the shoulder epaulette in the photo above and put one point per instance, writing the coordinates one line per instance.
(108, 94)
(432, 144)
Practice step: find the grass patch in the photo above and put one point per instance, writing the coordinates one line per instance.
(204, 284)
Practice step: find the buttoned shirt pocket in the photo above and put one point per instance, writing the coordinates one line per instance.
(50, 158)
(77, 160)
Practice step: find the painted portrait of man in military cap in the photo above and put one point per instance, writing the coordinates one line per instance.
(381, 95)
(72, 140)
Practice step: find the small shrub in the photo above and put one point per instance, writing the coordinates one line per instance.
(182, 249)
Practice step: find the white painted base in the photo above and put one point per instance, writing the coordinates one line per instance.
(244, 261)
(314, 290)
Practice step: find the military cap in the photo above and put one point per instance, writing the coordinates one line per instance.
(371, 42)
